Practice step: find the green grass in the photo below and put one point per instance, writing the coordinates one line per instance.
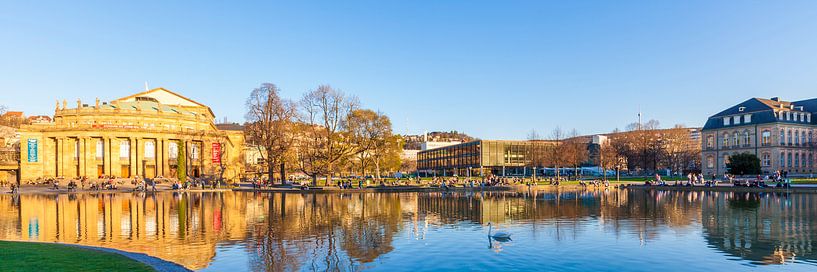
(23, 256)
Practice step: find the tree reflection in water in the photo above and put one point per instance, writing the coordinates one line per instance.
(330, 231)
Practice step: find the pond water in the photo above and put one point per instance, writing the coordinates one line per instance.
(563, 230)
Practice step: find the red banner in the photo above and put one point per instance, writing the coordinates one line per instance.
(217, 153)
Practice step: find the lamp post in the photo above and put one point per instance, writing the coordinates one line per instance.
(534, 174)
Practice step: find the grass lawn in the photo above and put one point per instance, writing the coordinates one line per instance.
(22, 256)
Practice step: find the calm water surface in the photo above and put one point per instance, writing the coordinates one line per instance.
(608, 230)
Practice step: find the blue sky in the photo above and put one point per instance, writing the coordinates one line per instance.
(493, 69)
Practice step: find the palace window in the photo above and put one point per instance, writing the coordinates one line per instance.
(782, 159)
(746, 138)
(124, 149)
(76, 150)
(766, 138)
(747, 118)
(796, 160)
(796, 137)
(710, 162)
(735, 139)
(782, 137)
(173, 150)
(766, 159)
(100, 149)
(803, 138)
(725, 160)
(789, 140)
(788, 159)
(710, 141)
(803, 159)
(726, 121)
(736, 119)
(150, 149)
(725, 140)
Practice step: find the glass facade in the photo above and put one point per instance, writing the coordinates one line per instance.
(483, 157)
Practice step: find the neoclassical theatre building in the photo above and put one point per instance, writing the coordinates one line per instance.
(780, 133)
(139, 135)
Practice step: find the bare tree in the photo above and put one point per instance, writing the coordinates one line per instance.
(270, 125)
(324, 114)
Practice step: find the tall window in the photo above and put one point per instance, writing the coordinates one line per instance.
(766, 138)
(150, 149)
(710, 162)
(194, 151)
(124, 149)
(725, 160)
(782, 159)
(173, 150)
(802, 159)
(766, 159)
(100, 149)
(796, 160)
(789, 140)
(746, 140)
(735, 139)
(782, 137)
(725, 140)
(76, 150)
(710, 141)
(788, 160)
(803, 138)
(796, 137)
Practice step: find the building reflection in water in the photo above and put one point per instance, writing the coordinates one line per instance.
(351, 231)
(765, 228)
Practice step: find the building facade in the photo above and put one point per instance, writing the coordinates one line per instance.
(138, 135)
(481, 158)
(779, 133)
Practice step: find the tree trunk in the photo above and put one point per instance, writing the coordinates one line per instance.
(270, 171)
(377, 168)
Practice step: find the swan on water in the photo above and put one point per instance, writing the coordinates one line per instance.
(498, 235)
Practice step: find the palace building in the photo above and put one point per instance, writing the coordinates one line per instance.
(139, 135)
(779, 132)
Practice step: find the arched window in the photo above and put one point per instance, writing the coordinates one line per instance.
(766, 138)
(803, 138)
(789, 140)
(710, 141)
(802, 159)
(796, 160)
(746, 138)
(809, 137)
(766, 159)
(796, 137)
(788, 160)
(735, 139)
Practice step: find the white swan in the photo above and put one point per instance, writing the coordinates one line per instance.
(498, 235)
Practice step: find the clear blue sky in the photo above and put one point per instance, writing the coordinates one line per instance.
(493, 69)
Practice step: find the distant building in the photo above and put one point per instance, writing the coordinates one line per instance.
(779, 132)
(433, 145)
(481, 157)
(39, 119)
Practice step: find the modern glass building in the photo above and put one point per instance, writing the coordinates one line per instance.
(482, 158)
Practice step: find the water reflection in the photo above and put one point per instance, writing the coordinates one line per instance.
(282, 232)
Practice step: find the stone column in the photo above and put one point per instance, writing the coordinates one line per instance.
(132, 157)
(81, 160)
(60, 158)
(107, 165)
